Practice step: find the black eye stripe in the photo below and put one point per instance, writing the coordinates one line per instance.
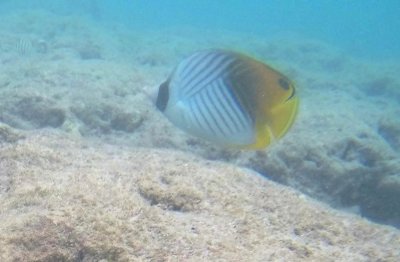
(291, 95)
(284, 83)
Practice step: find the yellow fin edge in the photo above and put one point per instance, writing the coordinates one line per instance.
(279, 121)
(283, 116)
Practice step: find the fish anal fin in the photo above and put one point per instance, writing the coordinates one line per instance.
(263, 137)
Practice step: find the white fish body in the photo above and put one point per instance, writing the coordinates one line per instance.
(218, 95)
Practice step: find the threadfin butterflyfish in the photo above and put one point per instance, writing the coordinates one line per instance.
(229, 98)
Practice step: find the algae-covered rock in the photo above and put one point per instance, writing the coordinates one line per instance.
(103, 118)
(9, 135)
(72, 201)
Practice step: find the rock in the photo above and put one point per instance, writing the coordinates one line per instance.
(39, 112)
(70, 201)
(105, 118)
(127, 122)
(9, 135)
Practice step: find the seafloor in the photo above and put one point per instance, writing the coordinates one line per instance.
(90, 170)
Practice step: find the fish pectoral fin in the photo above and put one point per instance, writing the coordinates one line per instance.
(281, 117)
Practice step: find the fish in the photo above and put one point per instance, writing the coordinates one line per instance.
(229, 98)
(24, 46)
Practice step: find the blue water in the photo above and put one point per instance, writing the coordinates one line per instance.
(364, 28)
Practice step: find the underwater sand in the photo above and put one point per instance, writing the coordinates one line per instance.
(90, 170)
(65, 200)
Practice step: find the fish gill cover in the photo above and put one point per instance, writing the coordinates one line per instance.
(80, 74)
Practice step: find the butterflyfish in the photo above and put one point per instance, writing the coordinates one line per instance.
(229, 98)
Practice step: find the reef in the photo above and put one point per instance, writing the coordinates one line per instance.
(64, 199)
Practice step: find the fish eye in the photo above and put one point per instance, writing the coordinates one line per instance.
(284, 83)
